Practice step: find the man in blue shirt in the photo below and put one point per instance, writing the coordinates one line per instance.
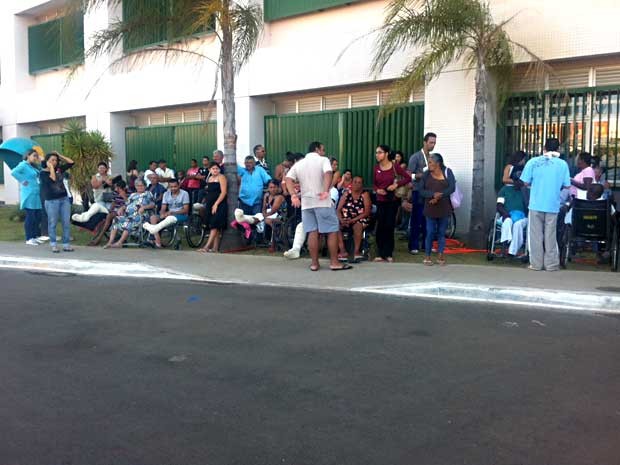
(252, 180)
(546, 176)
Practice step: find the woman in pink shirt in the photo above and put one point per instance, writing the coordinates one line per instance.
(586, 174)
(387, 177)
(193, 183)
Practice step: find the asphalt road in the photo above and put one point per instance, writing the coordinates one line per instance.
(133, 372)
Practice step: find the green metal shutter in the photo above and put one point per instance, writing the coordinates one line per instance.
(50, 142)
(56, 43)
(44, 46)
(349, 135)
(194, 141)
(146, 144)
(277, 9)
(145, 34)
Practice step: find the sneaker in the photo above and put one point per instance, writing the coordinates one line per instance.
(55, 249)
(43, 238)
(32, 242)
(291, 254)
(414, 251)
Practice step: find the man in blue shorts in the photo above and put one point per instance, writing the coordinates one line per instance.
(314, 174)
(174, 208)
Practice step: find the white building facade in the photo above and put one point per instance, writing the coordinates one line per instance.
(296, 88)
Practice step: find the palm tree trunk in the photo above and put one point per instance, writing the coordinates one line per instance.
(477, 219)
(231, 238)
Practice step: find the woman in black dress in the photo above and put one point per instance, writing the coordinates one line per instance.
(216, 210)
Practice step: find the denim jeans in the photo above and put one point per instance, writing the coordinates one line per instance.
(59, 209)
(32, 224)
(417, 222)
(250, 209)
(436, 227)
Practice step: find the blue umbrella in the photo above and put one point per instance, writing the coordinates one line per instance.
(12, 151)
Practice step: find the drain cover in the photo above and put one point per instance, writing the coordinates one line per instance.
(608, 289)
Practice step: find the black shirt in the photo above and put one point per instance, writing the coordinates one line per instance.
(52, 190)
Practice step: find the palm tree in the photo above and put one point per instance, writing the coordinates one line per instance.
(236, 26)
(449, 31)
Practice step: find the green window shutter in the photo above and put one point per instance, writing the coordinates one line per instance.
(56, 43)
(277, 9)
(50, 142)
(146, 144)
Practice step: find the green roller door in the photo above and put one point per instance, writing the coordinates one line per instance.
(175, 144)
(349, 135)
(50, 142)
(194, 141)
(146, 144)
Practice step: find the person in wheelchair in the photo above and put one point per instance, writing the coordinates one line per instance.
(354, 215)
(130, 217)
(174, 209)
(511, 205)
(103, 193)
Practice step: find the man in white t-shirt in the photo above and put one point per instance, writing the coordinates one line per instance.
(150, 172)
(314, 174)
(165, 174)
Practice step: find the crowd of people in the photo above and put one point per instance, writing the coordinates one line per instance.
(320, 199)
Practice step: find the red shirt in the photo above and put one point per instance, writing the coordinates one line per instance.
(382, 179)
(193, 183)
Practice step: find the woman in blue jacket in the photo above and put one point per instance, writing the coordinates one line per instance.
(27, 174)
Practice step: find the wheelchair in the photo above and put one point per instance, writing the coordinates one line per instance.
(498, 249)
(592, 223)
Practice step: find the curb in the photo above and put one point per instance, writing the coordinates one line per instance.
(578, 302)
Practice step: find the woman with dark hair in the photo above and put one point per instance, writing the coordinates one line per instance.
(584, 177)
(336, 173)
(216, 210)
(399, 159)
(345, 181)
(438, 184)
(517, 159)
(386, 180)
(57, 203)
(132, 175)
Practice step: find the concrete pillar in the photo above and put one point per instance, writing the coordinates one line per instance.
(112, 125)
(449, 112)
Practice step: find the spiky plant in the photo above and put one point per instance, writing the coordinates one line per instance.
(86, 149)
(448, 32)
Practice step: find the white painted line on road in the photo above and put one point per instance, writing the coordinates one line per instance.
(549, 299)
(93, 268)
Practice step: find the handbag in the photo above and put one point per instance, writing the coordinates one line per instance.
(401, 191)
(456, 198)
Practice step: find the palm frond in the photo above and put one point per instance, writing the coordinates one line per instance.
(247, 26)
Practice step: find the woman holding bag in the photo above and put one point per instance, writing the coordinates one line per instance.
(437, 185)
(387, 177)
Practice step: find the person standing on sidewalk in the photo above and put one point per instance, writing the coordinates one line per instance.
(418, 164)
(314, 174)
(386, 180)
(437, 184)
(546, 176)
(27, 174)
(57, 202)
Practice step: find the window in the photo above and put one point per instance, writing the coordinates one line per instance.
(158, 21)
(277, 9)
(55, 44)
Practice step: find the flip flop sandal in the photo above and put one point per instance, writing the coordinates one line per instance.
(314, 268)
(342, 268)
(428, 262)
(379, 260)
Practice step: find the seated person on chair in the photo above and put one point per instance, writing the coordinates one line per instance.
(174, 208)
(273, 208)
(120, 198)
(354, 214)
(131, 216)
(511, 206)
(102, 185)
(156, 189)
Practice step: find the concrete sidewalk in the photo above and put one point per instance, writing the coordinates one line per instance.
(563, 289)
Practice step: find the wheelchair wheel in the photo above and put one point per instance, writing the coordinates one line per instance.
(615, 248)
(195, 231)
(168, 236)
(451, 228)
(491, 241)
(564, 246)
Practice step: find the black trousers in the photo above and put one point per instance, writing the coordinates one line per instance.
(386, 220)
